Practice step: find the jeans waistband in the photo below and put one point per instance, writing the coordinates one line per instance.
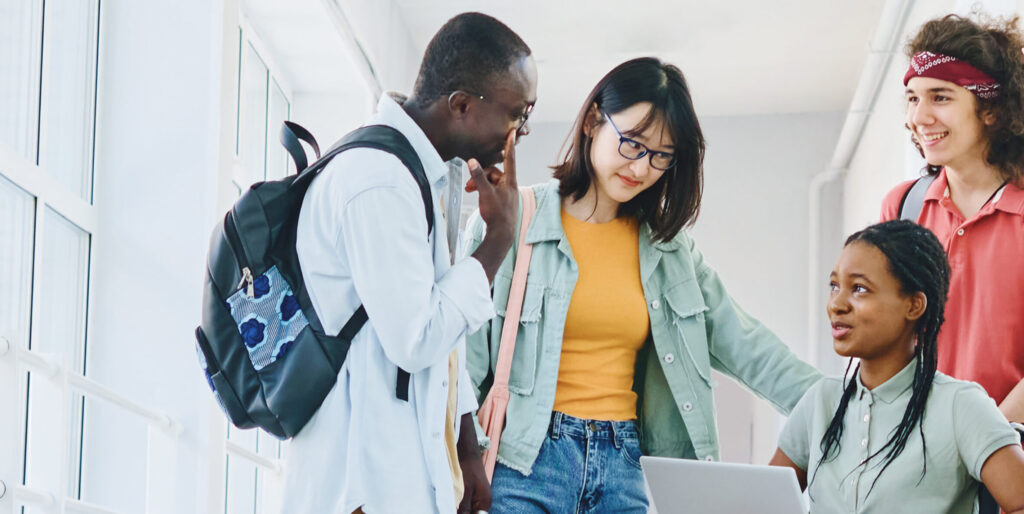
(565, 425)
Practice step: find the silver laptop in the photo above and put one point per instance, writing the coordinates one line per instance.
(678, 486)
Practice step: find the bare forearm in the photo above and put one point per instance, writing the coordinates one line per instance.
(493, 249)
(1013, 405)
(468, 446)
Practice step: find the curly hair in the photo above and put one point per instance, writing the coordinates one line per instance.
(992, 45)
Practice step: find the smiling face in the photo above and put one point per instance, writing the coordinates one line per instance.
(943, 119)
(872, 318)
(617, 178)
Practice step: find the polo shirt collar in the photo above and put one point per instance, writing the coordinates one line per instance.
(1010, 199)
(893, 388)
(938, 189)
(390, 112)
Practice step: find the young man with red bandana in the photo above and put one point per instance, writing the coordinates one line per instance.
(965, 112)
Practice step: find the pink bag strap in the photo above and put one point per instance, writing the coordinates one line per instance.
(514, 308)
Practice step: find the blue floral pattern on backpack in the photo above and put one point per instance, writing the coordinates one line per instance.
(289, 306)
(252, 332)
(268, 328)
(261, 286)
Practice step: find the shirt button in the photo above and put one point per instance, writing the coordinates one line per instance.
(444, 383)
(709, 458)
(960, 232)
(655, 305)
(687, 406)
(863, 442)
(669, 358)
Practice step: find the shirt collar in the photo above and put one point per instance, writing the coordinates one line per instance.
(1009, 199)
(938, 189)
(893, 388)
(547, 220)
(390, 112)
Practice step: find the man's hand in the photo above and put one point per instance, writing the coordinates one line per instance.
(477, 494)
(499, 205)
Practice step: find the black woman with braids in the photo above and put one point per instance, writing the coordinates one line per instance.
(895, 434)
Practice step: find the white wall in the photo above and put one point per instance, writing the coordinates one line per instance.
(156, 184)
(381, 28)
(381, 31)
(753, 230)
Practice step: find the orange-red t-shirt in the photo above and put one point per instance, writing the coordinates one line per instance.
(982, 339)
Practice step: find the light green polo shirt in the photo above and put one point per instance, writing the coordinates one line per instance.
(962, 428)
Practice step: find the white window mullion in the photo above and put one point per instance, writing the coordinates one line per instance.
(47, 190)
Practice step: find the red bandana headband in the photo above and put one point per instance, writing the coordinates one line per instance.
(951, 69)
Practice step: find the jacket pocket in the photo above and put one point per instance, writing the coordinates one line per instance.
(522, 375)
(687, 317)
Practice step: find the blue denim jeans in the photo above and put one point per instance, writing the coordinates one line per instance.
(584, 466)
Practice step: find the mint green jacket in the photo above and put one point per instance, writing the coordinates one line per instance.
(695, 327)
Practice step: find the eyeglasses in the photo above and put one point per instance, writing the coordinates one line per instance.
(633, 150)
(522, 117)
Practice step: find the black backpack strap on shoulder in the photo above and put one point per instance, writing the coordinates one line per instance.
(291, 133)
(378, 137)
(386, 139)
(913, 200)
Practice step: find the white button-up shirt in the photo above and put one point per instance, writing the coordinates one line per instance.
(362, 239)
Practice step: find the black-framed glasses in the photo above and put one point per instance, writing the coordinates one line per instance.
(633, 149)
(522, 117)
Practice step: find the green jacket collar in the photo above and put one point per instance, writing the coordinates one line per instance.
(547, 221)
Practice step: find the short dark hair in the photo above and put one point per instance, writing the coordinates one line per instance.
(673, 202)
(992, 46)
(465, 54)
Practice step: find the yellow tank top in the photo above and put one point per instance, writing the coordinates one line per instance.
(607, 322)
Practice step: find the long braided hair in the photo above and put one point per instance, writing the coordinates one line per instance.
(918, 261)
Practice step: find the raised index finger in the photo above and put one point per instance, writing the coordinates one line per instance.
(509, 166)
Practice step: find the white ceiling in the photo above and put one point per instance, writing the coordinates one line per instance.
(740, 57)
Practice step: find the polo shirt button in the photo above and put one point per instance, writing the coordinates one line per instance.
(867, 417)
(960, 232)
(655, 305)
(863, 442)
(669, 358)
(687, 406)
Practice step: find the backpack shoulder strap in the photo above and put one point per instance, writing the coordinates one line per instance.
(291, 133)
(913, 200)
(385, 139)
(378, 137)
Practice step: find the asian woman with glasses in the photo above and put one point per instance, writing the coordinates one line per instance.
(622, 320)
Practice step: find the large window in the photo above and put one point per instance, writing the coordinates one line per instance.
(48, 67)
(253, 473)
